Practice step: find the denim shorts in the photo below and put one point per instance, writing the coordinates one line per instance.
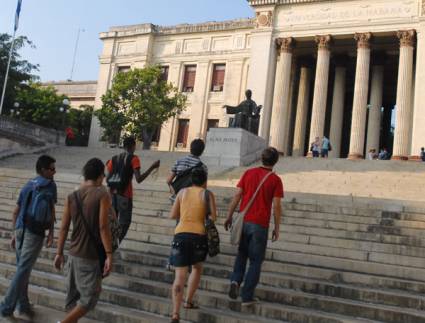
(188, 249)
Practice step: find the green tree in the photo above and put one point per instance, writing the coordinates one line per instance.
(41, 105)
(139, 102)
(20, 72)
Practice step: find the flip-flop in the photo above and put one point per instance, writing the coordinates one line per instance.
(190, 306)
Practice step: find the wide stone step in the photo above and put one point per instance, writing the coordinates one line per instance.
(132, 292)
(142, 301)
(266, 292)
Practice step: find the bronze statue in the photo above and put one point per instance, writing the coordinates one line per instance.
(247, 114)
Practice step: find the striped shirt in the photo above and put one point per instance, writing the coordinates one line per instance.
(187, 162)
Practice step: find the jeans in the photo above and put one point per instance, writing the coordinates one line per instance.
(124, 208)
(26, 256)
(253, 247)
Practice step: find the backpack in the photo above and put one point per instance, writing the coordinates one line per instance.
(39, 200)
(121, 174)
(184, 179)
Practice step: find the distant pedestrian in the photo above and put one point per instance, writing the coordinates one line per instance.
(120, 171)
(256, 223)
(315, 147)
(70, 136)
(33, 215)
(326, 147)
(423, 154)
(384, 154)
(88, 209)
(190, 245)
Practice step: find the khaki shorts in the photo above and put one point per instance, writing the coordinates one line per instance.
(84, 283)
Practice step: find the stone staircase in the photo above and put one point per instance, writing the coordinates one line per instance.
(334, 263)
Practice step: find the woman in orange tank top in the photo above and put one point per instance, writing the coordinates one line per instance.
(190, 245)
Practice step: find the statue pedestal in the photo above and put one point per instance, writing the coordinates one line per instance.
(232, 147)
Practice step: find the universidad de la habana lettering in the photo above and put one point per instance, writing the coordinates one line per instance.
(353, 70)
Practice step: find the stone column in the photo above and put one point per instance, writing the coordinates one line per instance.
(302, 110)
(374, 123)
(404, 109)
(361, 88)
(418, 129)
(338, 100)
(280, 113)
(320, 87)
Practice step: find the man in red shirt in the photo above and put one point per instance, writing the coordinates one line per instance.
(256, 223)
(126, 165)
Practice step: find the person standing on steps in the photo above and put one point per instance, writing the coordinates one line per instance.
(190, 244)
(33, 215)
(88, 209)
(315, 148)
(256, 222)
(182, 165)
(120, 171)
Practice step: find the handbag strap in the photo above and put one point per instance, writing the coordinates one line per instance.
(251, 201)
(81, 213)
(207, 201)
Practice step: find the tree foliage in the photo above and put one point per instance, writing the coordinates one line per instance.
(20, 72)
(40, 105)
(139, 102)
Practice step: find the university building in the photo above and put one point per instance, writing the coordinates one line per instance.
(343, 68)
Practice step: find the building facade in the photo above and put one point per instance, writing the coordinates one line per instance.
(343, 68)
(79, 92)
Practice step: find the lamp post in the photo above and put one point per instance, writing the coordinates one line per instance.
(64, 109)
(14, 109)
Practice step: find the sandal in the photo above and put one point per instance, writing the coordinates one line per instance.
(175, 318)
(190, 306)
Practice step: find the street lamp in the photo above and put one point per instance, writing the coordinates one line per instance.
(64, 109)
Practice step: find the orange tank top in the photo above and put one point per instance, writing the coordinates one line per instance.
(192, 211)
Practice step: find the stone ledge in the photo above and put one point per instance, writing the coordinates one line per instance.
(119, 31)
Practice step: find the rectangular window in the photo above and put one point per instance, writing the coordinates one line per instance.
(212, 123)
(123, 69)
(182, 134)
(164, 73)
(189, 78)
(217, 83)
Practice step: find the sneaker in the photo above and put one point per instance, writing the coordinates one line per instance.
(26, 316)
(251, 302)
(234, 290)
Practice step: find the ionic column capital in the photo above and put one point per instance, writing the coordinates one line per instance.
(285, 45)
(323, 42)
(363, 39)
(407, 37)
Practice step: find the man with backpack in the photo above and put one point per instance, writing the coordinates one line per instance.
(181, 172)
(258, 189)
(121, 169)
(33, 215)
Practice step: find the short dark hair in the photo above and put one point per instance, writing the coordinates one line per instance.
(93, 169)
(197, 147)
(269, 156)
(199, 176)
(44, 162)
(129, 142)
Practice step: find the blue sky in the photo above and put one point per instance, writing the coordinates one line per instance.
(53, 25)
